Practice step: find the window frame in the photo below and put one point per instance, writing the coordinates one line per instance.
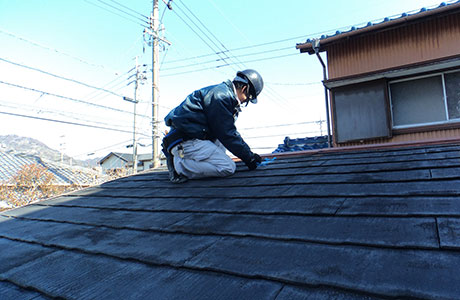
(444, 96)
(386, 110)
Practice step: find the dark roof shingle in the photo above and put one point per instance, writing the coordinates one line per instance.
(364, 224)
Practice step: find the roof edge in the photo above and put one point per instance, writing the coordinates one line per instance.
(436, 65)
(366, 147)
(384, 25)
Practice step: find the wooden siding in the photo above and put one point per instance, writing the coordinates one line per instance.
(429, 135)
(417, 43)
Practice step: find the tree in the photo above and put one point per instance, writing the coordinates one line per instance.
(31, 183)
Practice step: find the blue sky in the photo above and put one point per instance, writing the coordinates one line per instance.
(58, 59)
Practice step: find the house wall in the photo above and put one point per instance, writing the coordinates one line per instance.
(113, 162)
(424, 136)
(431, 40)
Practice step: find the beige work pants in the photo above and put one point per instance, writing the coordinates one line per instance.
(202, 158)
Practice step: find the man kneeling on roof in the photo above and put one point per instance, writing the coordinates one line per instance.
(203, 127)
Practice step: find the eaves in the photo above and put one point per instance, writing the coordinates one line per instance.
(372, 28)
(408, 70)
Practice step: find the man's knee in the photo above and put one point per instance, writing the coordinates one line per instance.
(227, 169)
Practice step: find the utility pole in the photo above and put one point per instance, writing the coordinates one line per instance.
(136, 85)
(154, 32)
(135, 101)
(62, 147)
(155, 73)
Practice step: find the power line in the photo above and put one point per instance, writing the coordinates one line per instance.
(97, 93)
(228, 21)
(222, 54)
(97, 150)
(68, 98)
(210, 32)
(50, 49)
(120, 10)
(71, 115)
(296, 84)
(103, 8)
(168, 6)
(276, 135)
(66, 122)
(199, 36)
(216, 60)
(265, 58)
(282, 125)
(220, 66)
(237, 49)
(275, 97)
(130, 9)
(60, 77)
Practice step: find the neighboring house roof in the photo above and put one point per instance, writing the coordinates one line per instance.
(144, 157)
(10, 164)
(302, 144)
(384, 24)
(355, 224)
(126, 157)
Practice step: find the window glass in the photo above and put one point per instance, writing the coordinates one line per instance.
(361, 111)
(418, 101)
(452, 81)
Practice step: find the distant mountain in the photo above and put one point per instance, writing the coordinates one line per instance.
(17, 144)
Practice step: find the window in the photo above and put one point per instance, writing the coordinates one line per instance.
(361, 111)
(432, 99)
(453, 94)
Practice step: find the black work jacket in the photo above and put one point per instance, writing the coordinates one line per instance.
(210, 113)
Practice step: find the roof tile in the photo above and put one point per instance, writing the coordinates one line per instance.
(360, 224)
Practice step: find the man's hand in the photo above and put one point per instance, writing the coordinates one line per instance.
(255, 161)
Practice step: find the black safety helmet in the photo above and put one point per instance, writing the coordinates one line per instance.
(255, 81)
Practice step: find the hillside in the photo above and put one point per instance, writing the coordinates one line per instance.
(30, 146)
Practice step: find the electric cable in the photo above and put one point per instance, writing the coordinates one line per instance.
(274, 96)
(68, 98)
(216, 60)
(120, 10)
(221, 66)
(199, 36)
(100, 149)
(69, 123)
(210, 32)
(60, 77)
(282, 125)
(51, 49)
(96, 93)
(71, 115)
(117, 14)
(237, 49)
(229, 22)
(276, 135)
(295, 84)
(128, 8)
(265, 58)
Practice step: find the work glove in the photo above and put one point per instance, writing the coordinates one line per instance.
(255, 161)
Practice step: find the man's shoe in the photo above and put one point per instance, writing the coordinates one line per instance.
(178, 178)
(174, 177)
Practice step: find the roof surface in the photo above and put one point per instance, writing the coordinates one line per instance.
(302, 144)
(372, 26)
(364, 224)
(10, 164)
